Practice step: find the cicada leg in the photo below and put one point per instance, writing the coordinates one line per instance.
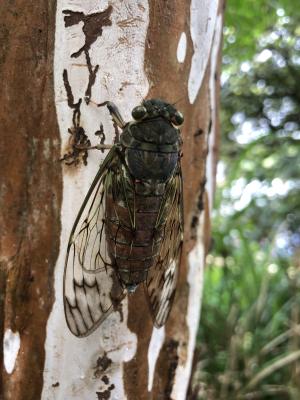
(97, 147)
(80, 144)
(114, 112)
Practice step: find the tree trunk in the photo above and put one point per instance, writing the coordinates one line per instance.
(57, 64)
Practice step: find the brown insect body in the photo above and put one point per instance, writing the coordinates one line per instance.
(134, 251)
(130, 226)
(134, 229)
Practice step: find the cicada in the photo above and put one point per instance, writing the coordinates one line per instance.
(129, 229)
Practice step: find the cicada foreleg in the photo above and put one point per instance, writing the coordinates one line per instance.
(80, 144)
(79, 148)
(115, 113)
(97, 147)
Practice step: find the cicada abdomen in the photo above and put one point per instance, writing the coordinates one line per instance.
(130, 227)
(133, 244)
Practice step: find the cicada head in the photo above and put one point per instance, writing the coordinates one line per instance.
(157, 108)
(155, 127)
(152, 141)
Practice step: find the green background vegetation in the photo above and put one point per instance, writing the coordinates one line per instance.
(249, 339)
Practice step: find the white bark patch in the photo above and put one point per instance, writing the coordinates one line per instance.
(72, 368)
(203, 18)
(181, 48)
(11, 347)
(210, 161)
(156, 342)
(195, 279)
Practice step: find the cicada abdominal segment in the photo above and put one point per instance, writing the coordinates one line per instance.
(129, 229)
(134, 245)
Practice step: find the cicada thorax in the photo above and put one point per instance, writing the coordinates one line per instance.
(134, 207)
(151, 149)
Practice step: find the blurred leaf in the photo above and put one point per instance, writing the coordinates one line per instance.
(251, 294)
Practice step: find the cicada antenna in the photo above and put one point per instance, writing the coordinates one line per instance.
(143, 99)
(177, 101)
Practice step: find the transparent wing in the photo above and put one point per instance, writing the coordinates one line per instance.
(162, 278)
(91, 287)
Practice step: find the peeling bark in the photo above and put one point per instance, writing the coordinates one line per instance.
(123, 52)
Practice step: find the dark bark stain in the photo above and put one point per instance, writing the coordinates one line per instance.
(105, 395)
(71, 102)
(92, 25)
(92, 77)
(171, 347)
(198, 132)
(78, 138)
(168, 361)
(103, 363)
(199, 208)
(92, 28)
(102, 368)
(209, 125)
(105, 379)
(76, 154)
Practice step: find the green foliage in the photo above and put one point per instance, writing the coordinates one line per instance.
(246, 21)
(249, 337)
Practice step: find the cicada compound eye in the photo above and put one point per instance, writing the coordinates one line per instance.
(139, 113)
(177, 118)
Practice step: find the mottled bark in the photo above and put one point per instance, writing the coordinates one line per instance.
(30, 188)
(121, 51)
